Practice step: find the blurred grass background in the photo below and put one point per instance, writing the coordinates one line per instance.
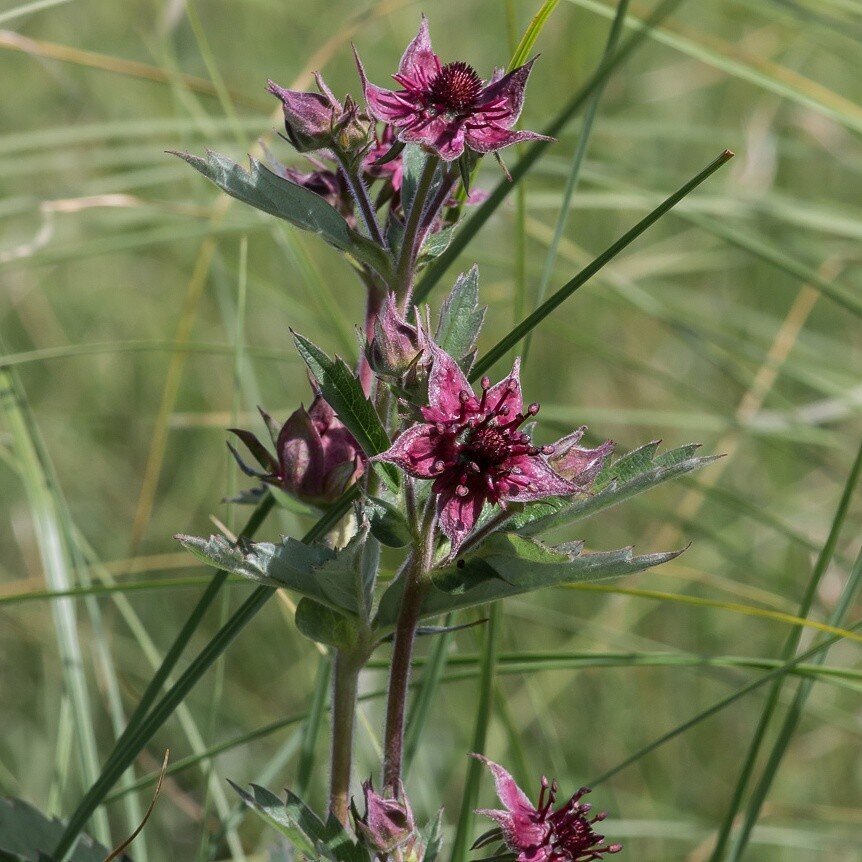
(141, 315)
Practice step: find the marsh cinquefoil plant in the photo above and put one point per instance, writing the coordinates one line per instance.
(446, 476)
(417, 463)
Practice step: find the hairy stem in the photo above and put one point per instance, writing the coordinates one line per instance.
(359, 193)
(405, 270)
(415, 583)
(344, 689)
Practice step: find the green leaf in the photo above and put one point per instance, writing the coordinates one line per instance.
(302, 568)
(324, 625)
(461, 317)
(342, 391)
(272, 194)
(388, 524)
(435, 244)
(506, 565)
(27, 834)
(276, 814)
(634, 473)
(432, 838)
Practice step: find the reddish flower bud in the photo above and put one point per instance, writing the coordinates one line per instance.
(316, 458)
(396, 345)
(314, 121)
(387, 824)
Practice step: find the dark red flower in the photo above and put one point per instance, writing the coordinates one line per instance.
(473, 447)
(449, 107)
(538, 833)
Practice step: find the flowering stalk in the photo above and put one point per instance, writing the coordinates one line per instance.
(359, 192)
(417, 566)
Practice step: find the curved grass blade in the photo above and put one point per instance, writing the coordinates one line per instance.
(790, 647)
(472, 226)
(531, 321)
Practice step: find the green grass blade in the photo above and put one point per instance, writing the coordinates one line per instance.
(531, 34)
(791, 721)
(577, 162)
(779, 673)
(484, 711)
(57, 566)
(422, 700)
(139, 733)
(790, 647)
(532, 320)
(481, 215)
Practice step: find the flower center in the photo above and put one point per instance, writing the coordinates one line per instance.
(454, 88)
(487, 446)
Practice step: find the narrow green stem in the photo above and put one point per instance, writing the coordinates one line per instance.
(416, 569)
(344, 690)
(405, 269)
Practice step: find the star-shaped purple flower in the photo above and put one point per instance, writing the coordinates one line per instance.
(449, 107)
(473, 447)
(538, 833)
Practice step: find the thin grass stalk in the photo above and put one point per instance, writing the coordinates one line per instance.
(57, 568)
(484, 712)
(790, 647)
(590, 115)
(536, 317)
(778, 673)
(138, 734)
(791, 722)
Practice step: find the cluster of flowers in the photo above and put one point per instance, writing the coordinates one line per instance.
(474, 448)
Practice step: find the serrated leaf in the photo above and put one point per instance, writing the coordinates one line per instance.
(461, 317)
(633, 474)
(275, 195)
(292, 565)
(507, 565)
(342, 391)
(324, 625)
(275, 813)
(432, 838)
(27, 834)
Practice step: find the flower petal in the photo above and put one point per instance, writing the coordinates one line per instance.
(578, 464)
(507, 391)
(419, 64)
(446, 382)
(510, 794)
(417, 449)
(457, 514)
(501, 101)
(444, 137)
(385, 105)
(487, 138)
(535, 480)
